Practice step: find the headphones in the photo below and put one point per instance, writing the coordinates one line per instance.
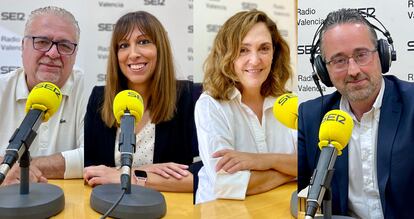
(385, 49)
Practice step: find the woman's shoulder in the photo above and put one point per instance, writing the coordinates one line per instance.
(188, 90)
(209, 103)
(185, 86)
(97, 95)
(184, 82)
(98, 91)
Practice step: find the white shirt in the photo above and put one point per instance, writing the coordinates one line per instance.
(64, 130)
(233, 125)
(363, 194)
(144, 147)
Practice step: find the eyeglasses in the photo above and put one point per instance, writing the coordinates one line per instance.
(44, 44)
(362, 57)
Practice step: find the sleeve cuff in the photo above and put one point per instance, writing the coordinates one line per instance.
(73, 163)
(232, 186)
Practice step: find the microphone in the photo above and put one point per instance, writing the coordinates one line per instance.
(334, 134)
(43, 101)
(285, 110)
(128, 108)
(132, 201)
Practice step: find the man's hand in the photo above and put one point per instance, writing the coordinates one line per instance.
(13, 176)
(167, 170)
(52, 166)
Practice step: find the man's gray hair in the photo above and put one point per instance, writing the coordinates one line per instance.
(55, 11)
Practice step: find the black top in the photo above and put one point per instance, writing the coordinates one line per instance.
(175, 140)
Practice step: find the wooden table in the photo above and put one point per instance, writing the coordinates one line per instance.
(272, 204)
(179, 205)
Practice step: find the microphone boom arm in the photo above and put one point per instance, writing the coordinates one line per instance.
(321, 180)
(21, 140)
(127, 142)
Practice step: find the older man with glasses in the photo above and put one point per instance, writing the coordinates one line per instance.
(49, 48)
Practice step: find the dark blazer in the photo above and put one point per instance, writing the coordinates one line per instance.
(175, 140)
(395, 149)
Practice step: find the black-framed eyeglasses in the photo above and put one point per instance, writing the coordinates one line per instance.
(361, 57)
(44, 44)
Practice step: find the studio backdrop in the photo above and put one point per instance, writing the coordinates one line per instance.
(96, 20)
(397, 17)
(191, 31)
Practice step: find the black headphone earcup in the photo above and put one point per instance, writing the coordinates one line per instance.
(322, 72)
(384, 53)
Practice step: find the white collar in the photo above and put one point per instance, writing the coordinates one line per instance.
(22, 91)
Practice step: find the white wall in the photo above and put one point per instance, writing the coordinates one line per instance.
(397, 17)
(211, 14)
(191, 31)
(95, 19)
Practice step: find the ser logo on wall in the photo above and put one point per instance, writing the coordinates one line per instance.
(12, 16)
(154, 2)
(410, 45)
(100, 77)
(105, 27)
(7, 69)
(248, 5)
(213, 28)
(370, 11)
(306, 50)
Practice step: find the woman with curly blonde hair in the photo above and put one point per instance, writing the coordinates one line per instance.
(243, 148)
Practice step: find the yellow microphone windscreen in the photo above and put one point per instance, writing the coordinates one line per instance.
(128, 100)
(336, 129)
(44, 96)
(285, 110)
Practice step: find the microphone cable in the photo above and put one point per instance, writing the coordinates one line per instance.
(114, 205)
(130, 102)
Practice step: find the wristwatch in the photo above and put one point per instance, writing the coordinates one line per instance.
(141, 177)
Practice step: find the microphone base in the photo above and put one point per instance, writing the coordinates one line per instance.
(335, 217)
(43, 201)
(140, 203)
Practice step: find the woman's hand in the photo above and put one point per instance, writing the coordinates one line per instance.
(232, 161)
(97, 175)
(167, 170)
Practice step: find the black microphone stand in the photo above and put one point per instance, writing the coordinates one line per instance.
(327, 204)
(136, 201)
(28, 200)
(327, 207)
(327, 200)
(324, 181)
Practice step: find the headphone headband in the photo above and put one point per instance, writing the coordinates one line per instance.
(385, 48)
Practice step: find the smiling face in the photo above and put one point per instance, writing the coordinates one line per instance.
(48, 66)
(356, 83)
(253, 64)
(137, 57)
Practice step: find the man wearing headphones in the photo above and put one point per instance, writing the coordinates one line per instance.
(374, 175)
